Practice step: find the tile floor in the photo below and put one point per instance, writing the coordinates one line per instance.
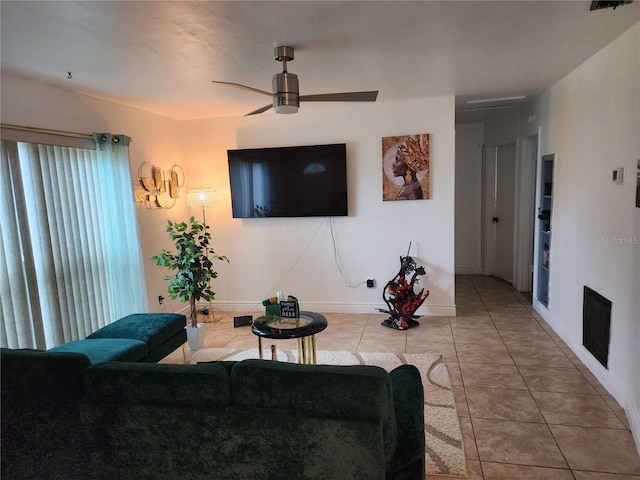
(528, 408)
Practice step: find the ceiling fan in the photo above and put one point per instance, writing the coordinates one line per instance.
(286, 94)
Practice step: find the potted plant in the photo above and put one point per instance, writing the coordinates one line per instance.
(193, 267)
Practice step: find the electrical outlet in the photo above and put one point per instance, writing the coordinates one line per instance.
(370, 283)
(617, 175)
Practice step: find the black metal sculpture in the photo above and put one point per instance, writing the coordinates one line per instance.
(399, 295)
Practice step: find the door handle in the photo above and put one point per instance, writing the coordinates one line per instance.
(495, 219)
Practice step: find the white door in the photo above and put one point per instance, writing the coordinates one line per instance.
(501, 183)
(504, 210)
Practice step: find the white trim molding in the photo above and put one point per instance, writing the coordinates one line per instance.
(609, 381)
(348, 308)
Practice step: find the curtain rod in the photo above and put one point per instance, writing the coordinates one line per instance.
(47, 130)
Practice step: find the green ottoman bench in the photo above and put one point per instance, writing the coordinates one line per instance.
(101, 350)
(162, 332)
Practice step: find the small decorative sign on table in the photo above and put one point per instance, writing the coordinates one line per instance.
(289, 309)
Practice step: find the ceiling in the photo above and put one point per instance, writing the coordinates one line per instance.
(161, 56)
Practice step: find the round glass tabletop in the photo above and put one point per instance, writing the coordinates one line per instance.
(272, 326)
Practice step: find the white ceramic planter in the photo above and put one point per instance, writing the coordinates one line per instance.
(195, 336)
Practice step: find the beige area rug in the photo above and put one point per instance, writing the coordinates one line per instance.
(444, 448)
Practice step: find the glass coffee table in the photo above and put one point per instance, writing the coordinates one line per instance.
(303, 329)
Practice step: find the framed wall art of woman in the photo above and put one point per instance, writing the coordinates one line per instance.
(405, 166)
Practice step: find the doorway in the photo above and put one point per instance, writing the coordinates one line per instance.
(500, 201)
(525, 215)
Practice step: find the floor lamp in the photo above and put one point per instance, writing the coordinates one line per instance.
(203, 198)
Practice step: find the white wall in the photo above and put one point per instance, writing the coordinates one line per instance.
(503, 129)
(155, 139)
(297, 255)
(591, 121)
(468, 205)
(291, 254)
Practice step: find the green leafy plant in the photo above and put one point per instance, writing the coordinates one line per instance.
(192, 263)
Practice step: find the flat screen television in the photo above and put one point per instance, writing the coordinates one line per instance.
(304, 181)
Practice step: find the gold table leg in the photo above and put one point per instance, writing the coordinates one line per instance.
(302, 350)
(307, 350)
(313, 349)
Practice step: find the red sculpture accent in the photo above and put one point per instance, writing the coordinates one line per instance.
(401, 298)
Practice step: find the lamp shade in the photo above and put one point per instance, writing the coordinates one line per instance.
(202, 197)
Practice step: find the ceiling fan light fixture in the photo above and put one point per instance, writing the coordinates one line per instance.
(285, 97)
(286, 109)
(285, 103)
(286, 92)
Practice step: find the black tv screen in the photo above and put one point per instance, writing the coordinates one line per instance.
(305, 181)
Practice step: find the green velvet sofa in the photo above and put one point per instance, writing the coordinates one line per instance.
(255, 419)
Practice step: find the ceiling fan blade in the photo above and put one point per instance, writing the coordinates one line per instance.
(260, 110)
(341, 97)
(244, 87)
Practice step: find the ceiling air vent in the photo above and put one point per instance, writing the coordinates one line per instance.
(491, 104)
(598, 5)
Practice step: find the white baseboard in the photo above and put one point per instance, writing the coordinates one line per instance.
(353, 308)
(184, 311)
(604, 376)
(633, 415)
(609, 381)
(437, 311)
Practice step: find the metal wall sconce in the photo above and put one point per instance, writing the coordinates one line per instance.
(155, 188)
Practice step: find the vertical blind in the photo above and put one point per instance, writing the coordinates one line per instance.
(70, 255)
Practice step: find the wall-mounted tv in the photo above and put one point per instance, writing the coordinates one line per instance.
(304, 181)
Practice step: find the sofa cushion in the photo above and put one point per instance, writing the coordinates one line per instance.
(172, 442)
(167, 422)
(40, 416)
(165, 348)
(106, 349)
(347, 392)
(408, 398)
(202, 385)
(151, 328)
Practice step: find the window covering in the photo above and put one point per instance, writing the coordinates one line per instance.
(70, 254)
